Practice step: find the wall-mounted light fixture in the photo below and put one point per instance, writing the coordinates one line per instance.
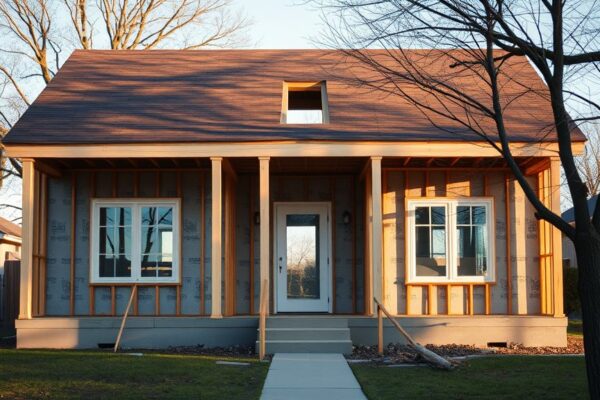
(257, 218)
(346, 217)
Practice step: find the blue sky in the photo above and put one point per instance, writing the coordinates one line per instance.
(281, 24)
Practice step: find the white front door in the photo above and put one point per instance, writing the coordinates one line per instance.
(302, 257)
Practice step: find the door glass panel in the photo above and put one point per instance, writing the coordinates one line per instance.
(302, 249)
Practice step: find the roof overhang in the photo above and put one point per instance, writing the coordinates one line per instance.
(285, 149)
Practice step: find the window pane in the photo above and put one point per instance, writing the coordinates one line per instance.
(479, 215)
(438, 215)
(123, 266)
(123, 216)
(106, 265)
(107, 216)
(165, 266)
(149, 242)
(463, 215)
(149, 215)
(431, 251)
(302, 255)
(107, 240)
(422, 215)
(165, 241)
(165, 216)
(122, 240)
(472, 251)
(149, 265)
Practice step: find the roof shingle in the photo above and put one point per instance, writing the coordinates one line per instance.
(235, 95)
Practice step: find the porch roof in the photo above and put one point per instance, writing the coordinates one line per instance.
(103, 97)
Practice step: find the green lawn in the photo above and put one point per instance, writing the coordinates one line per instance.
(46, 374)
(510, 377)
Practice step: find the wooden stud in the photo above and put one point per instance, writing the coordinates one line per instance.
(377, 229)
(157, 184)
(156, 300)
(379, 331)
(332, 188)
(408, 299)
(508, 246)
(555, 239)
(354, 218)
(487, 299)
(265, 224)
(202, 242)
(136, 184)
(216, 237)
(115, 184)
(448, 299)
(73, 241)
(471, 308)
(113, 300)
(430, 300)
(44, 242)
(136, 302)
(178, 288)
(251, 246)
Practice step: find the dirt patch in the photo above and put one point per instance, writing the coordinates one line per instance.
(229, 351)
(397, 353)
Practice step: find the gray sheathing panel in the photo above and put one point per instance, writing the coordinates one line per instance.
(343, 244)
(207, 246)
(242, 243)
(82, 244)
(59, 242)
(532, 273)
(59, 247)
(360, 247)
(190, 245)
(498, 294)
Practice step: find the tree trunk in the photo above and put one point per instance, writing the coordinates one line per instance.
(587, 247)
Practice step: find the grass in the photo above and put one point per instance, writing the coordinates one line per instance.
(46, 374)
(507, 377)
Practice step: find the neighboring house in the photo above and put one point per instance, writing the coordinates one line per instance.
(209, 179)
(568, 249)
(10, 242)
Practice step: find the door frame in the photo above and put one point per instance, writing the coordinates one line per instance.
(329, 255)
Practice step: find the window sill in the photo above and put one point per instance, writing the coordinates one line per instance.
(121, 283)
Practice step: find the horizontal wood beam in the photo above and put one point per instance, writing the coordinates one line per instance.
(283, 149)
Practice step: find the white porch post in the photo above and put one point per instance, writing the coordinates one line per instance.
(264, 226)
(26, 283)
(216, 238)
(377, 226)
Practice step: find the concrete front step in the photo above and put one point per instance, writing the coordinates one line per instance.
(308, 346)
(306, 322)
(307, 334)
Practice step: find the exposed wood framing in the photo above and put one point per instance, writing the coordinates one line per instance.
(202, 243)
(508, 217)
(216, 237)
(354, 218)
(73, 244)
(264, 195)
(28, 205)
(251, 246)
(229, 183)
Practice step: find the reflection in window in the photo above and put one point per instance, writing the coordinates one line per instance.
(471, 231)
(302, 235)
(430, 237)
(114, 254)
(157, 241)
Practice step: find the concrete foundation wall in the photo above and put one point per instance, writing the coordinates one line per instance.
(162, 332)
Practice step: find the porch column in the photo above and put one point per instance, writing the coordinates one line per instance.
(377, 226)
(556, 239)
(26, 283)
(216, 237)
(264, 226)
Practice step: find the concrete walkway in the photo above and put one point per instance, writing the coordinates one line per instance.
(310, 376)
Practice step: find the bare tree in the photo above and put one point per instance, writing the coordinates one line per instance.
(560, 38)
(589, 163)
(33, 38)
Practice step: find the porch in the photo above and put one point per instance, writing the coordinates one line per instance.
(234, 199)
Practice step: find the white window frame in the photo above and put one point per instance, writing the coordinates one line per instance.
(287, 85)
(450, 205)
(136, 224)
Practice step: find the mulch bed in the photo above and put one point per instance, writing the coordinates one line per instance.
(398, 354)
